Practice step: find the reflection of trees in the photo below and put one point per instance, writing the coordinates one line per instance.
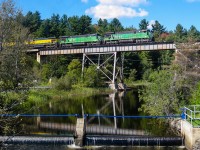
(157, 127)
(127, 104)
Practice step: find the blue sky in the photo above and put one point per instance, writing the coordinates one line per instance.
(130, 12)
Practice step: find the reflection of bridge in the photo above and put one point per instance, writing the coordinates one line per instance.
(90, 129)
(114, 52)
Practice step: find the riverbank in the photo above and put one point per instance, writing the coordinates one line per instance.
(137, 84)
(41, 94)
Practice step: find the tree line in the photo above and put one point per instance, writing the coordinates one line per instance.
(57, 25)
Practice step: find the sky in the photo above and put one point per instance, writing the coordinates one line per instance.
(130, 12)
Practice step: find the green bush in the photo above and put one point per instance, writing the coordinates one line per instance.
(64, 83)
(195, 97)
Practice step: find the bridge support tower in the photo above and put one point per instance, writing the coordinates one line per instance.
(110, 65)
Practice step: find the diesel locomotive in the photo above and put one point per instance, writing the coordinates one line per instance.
(93, 39)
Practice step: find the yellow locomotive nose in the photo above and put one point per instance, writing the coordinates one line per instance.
(43, 43)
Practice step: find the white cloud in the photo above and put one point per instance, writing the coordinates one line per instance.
(122, 2)
(152, 22)
(108, 9)
(84, 1)
(113, 11)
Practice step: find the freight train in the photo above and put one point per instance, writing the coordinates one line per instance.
(93, 39)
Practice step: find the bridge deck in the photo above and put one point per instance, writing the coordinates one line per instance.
(109, 48)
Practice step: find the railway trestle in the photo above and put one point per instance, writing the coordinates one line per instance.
(110, 52)
(114, 72)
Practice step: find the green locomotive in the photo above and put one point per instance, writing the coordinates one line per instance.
(129, 36)
(95, 39)
(88, 39)
(108, 38)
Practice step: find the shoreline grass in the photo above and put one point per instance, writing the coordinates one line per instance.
(46, 94)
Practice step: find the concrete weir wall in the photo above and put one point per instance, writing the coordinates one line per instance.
(80, 131)
(190, 134)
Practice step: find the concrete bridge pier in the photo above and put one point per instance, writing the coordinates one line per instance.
(80, 132)
(190, 134)
(38, 57)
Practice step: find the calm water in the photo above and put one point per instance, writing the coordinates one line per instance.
(123, 104)
(120, 104)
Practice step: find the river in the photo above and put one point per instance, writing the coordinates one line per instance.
(114, 104)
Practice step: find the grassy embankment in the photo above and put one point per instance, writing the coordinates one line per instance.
(137, 84)
(41, 95)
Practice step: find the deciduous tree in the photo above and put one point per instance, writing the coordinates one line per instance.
(161, 96)
(15, 74)
(74, 71)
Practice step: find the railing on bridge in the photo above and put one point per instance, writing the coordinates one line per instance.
(192, 115)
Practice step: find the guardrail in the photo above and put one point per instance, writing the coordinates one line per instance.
(192, 115)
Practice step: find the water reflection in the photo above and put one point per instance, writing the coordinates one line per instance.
(114, 104)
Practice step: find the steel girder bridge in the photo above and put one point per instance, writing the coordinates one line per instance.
(113, 53)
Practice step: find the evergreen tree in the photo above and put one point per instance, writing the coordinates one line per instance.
(180, 33)
(145, 64)
(64, 25)
(143, 24)
(74, 26)
(115, 25)
(44, 30)
(85, 24)
(32, 21)
(158, 29)
(193, 34)
(54, 26)
(102, 26)
(132, 62)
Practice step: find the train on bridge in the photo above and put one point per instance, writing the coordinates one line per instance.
(139, 36)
